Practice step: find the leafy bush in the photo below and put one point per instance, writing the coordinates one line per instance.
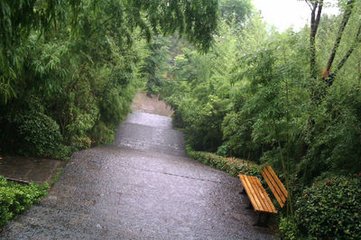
(237, 132)
(102, 134)
(16, 198)
(288, 228)
(40, 134)
(330, 209)
(233, 166)
(223, 150)
(203, 122)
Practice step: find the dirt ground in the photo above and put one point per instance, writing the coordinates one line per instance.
(142, 103)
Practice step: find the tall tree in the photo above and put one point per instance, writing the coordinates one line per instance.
(316, 7)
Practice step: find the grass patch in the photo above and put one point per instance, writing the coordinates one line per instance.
(57, 174)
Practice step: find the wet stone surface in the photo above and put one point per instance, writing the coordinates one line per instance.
(141, 187)
(36, 170)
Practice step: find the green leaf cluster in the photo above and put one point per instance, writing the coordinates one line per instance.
(16, 198)
(330, 209)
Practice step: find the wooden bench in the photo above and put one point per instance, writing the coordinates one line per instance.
(259, 199)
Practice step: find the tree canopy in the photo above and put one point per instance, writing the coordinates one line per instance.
(196, 20)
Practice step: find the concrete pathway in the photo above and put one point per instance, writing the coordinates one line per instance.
(141, 187)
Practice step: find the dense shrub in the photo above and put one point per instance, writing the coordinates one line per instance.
(330, 209)
(233, 166)
(16, 198)
(102, 134)
(288, 228)
(39, 134)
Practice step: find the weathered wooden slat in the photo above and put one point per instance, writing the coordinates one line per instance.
(272, 185)
(257, 194)
(280, 184)
(250, 192)
(266, 199)
(275, 184)
(262, 195)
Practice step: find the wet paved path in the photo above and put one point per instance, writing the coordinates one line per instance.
(141, 187)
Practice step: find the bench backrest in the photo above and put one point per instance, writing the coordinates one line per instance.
(275, 184)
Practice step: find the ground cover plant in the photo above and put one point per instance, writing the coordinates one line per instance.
(17, 198)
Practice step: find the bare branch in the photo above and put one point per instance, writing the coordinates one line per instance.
(309, 4)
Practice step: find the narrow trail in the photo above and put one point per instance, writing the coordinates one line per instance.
(141, 187)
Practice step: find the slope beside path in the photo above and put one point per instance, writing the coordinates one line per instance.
(141, 187)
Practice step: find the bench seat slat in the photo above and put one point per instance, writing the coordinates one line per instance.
(260, 199)
(250, 192)
(257, 194)
(261, 194)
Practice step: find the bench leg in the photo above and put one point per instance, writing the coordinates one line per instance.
(262, 220)
(249, 206)
(243, 192)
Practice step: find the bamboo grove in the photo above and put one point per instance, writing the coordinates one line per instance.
(289, 99)
(68, 69)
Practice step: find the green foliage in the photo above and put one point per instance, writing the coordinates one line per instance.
(233, 166)
(40, 135)
(83, 75)
(237, 135)
(203, 122)
(18, 20)
(16, 198)
(153, 66)
(330, 209)
(197, 19)
(334, 136)
(235, 11)
(288, 228)
(199, 92)
(251, 97)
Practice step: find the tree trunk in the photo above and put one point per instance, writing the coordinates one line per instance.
(345, 19)
(316, 10)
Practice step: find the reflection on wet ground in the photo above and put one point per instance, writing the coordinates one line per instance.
(141, 187)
